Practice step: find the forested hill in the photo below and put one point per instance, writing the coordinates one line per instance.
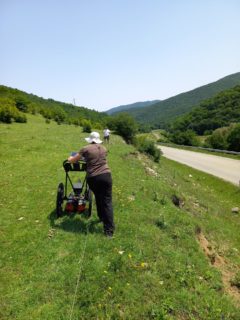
(162, 112)
(219, 111)
(49, 108)
(131, 106)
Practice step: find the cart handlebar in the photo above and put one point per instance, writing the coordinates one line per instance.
(76, 166)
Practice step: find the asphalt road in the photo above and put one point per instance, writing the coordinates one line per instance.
(225, 168)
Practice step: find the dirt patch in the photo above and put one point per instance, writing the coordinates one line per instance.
(145, 161)
(150, 172)
(177, 201)
(221, 264)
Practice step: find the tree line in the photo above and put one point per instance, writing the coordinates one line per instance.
(15, 104)
(217, 119)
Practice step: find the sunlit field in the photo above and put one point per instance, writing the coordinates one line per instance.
(175, 253)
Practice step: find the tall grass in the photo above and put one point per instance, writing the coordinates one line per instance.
(152, 269)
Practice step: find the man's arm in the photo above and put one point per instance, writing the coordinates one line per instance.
(75, 158)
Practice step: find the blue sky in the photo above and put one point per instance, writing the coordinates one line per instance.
(105, 53)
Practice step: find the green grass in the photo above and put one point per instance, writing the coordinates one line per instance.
(154, 268)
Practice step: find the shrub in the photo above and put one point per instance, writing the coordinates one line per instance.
(74, 121)
(9, 112)
(32, 108)
(46, 113)
(147, 146)
(163, 136)
(6, 114)
(21, 118)
(218, 140)
(87, 126)
(97, 125)
(187, 138)
(124, 125)
(59, 115)
(22, 104)
(233, 138)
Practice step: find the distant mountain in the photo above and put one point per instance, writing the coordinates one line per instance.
(131, 106)
(162, 112)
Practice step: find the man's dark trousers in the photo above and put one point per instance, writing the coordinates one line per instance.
(101, 185)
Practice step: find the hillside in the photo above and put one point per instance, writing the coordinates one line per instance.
(131, 106)
(219, 111)
(169, 260)
(162, 112)
(49, 108)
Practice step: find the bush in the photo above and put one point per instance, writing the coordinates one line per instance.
(233, 138)
(22, 104)
(59, 115)
(218, 140)
(87, 126)
(21, 118)
(46, 113)
(124, 125)
(147, 146)
(9, 112)
(187, 138)
(32, 108)
(98, 125)
(6, 114)
(163, 136)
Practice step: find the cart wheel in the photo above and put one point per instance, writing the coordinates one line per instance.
(89, 196)
(59, 202)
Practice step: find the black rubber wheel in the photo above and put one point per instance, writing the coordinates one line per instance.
(59, 202)
(89, 196)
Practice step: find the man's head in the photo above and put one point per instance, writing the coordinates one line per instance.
(94, 138)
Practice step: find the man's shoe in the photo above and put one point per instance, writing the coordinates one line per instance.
(108, 234)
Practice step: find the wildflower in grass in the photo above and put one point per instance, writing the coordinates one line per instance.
(161, 283)
(109, 288)
(129, 256)
(144, 264)
(121, 252)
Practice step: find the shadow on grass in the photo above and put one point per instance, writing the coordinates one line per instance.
(71, 224)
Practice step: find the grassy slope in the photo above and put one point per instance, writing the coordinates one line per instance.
(152, 269)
